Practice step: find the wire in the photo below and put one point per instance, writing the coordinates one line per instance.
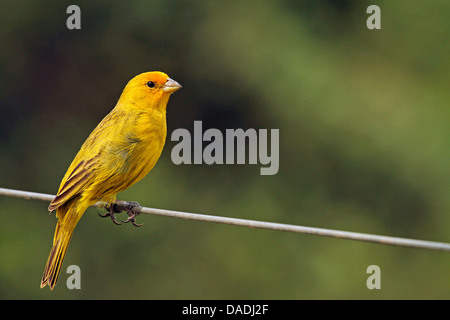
(387, 240)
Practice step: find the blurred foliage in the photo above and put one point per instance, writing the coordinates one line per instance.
(364, 145)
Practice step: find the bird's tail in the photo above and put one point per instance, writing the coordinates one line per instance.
(63, 233)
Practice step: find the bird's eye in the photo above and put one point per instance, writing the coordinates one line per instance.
(151, 84)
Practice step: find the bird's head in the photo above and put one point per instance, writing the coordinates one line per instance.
(149, 90)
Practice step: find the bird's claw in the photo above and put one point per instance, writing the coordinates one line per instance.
(113, 209)
(133, 220)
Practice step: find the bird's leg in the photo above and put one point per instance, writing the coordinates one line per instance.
(112, 210)
(116, 208)
(129, 206)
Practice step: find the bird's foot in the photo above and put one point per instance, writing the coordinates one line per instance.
(132, 214)
(123, 205)
(112, 210)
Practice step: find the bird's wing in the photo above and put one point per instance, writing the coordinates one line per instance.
(74, 182)
(88, 159)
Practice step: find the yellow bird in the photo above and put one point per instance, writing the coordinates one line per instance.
(120, 151)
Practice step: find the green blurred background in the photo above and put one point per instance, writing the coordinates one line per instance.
(364, 146)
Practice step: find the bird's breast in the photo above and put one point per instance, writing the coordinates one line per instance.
(138, 149)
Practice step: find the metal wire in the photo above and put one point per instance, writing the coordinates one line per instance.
(387, 240)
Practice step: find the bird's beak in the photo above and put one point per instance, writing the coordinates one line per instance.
(171, 86)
